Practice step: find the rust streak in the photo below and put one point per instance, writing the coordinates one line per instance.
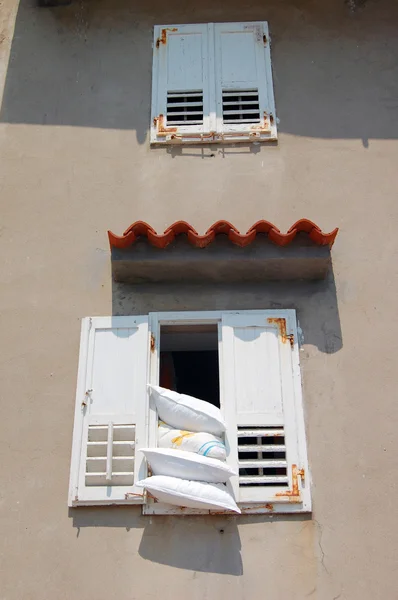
(163, 36)
(264, 126)
(265, 39)
(294, 493)
(281, 324)
(247, 510)
(152, 343)
(162, 130)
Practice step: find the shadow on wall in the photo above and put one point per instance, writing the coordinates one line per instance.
(89, 64)
(206, 544)
(314, 301)
(201, 543)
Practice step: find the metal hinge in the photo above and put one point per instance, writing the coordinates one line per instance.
(290, 337)
(87, 397)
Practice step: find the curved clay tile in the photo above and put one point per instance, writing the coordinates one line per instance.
(161, 240)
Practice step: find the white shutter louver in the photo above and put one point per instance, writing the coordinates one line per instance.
(263, 409)
(111, 409)
(180, 84)
(245, 101)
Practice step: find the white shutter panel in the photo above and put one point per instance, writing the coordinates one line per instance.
(111, 412)
(244, 92)
(180, 84)
(263, 409)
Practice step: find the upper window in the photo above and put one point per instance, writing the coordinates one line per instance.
(245, 362)
(212, 83)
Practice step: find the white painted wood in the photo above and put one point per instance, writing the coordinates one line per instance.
(154, 368)
(243, 62)
(180, 64)
(282, 507)
(289, 388)
(261, 387)
(109, 453)
(112, 379)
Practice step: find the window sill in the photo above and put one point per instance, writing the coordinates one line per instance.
(160, 508)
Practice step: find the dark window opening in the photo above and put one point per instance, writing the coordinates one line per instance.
(189, 361)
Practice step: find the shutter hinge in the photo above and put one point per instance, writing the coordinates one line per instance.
(265, 41)
(281, 324)
(87, 397)
(163, 36)
(294, 493)
(152, 343)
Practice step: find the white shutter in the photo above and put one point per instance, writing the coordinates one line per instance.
(263, 409)
(244, 92)
(111, 411)
(180, 84)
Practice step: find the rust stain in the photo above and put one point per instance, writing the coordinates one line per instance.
(281, 324)
(202, 136)
(86, 397)
(163, 36)
(152, 343)
(248, 510)
(294, 493)
(162, 130)
(264, 127)
(265, 40)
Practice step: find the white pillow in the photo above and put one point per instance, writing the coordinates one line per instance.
(187, 465)
(192, 494)
(199, 442)
(186, 412)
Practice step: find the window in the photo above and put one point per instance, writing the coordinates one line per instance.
(212, 83)
(252, 373)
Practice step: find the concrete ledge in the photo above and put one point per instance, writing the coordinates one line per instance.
(220, 262)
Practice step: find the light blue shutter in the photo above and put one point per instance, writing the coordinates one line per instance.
(180, 83)
(244, 92)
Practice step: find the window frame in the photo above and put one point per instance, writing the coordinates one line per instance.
(297, 497)
(216, 130)
(286, 504)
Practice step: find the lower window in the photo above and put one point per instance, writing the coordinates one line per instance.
(244, 362)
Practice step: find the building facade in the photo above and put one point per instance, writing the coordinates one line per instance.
(76, 161)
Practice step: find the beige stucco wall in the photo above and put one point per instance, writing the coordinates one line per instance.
(75, 161)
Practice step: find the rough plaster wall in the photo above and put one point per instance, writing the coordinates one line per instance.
(75, 161)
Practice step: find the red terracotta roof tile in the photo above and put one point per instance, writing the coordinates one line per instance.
(161, 240)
